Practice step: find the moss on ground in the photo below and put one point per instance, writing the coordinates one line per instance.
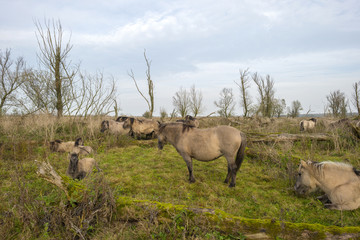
(230, 224)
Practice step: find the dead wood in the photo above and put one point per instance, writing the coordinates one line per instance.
(47, 172)
(287, 137)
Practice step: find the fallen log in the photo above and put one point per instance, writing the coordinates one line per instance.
(287, 137)
(47, 172)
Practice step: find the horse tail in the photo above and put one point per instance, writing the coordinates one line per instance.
(241, 151)
(302, 126)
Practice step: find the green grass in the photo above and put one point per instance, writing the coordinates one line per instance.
(138, 170)
(147, 173)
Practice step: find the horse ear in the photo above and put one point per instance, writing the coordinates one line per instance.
(303, 163)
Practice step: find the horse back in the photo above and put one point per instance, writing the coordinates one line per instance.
(145, 126)
(218, 139)
(228, 134)
(86, 164)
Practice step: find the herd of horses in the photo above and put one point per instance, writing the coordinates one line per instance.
(339, 181)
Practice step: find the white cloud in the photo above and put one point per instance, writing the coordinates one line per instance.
(306, 46)
(151, 27)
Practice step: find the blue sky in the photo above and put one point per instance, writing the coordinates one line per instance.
(309, 48)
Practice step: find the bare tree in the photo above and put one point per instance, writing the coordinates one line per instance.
(12, 76)
(337, 103)
(91, 96)
(244, 85)
(356, 96)
(295, 109)
(226, 103)
(39, 93)
(279, 107)
(150, 84)
(181, 102)
(196, 105)
(266, 92)
(54, 57)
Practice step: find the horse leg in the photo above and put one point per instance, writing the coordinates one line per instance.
(188, 162)
(232, 169)
(344, 197)
(228, 175)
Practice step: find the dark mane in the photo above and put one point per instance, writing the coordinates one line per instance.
(79, 141)
(187, 127)
(357, 172)
(121, 119)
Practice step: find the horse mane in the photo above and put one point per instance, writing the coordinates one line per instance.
(318, 167)
(357, 172)
(313, 119)
(185, 127)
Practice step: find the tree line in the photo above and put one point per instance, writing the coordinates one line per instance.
(60, 87)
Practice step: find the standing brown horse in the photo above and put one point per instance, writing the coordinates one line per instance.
(205, 145)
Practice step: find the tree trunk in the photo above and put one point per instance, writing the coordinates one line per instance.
(58, 83)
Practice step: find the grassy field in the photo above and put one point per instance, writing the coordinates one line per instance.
(138, 170)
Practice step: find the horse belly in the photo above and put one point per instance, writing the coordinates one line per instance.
(205, 153)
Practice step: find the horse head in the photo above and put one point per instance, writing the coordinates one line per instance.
(54, 145)
(161, 136)
(79, 142)
(73, 165)
(305, 181)
(104, 126)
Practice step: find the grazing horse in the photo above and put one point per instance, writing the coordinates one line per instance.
(79, 168)
(147, 127)
(306, 125)
(205, 145)
(189, 120)
(114, 127)
(339, 181)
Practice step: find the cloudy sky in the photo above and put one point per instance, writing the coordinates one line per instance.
(309, 48)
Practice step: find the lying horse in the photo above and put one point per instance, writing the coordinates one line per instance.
(114, 127)
(83, 150)
(61, 146)
(78, 169)
(339, 181)
(306, 125)
(189, 120)
(147, 127)
(205, 145)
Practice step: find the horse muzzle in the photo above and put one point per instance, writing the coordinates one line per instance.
(160, 145)
(301, 190)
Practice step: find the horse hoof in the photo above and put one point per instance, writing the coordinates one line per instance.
(232, 185)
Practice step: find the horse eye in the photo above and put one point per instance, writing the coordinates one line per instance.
(299, 173)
